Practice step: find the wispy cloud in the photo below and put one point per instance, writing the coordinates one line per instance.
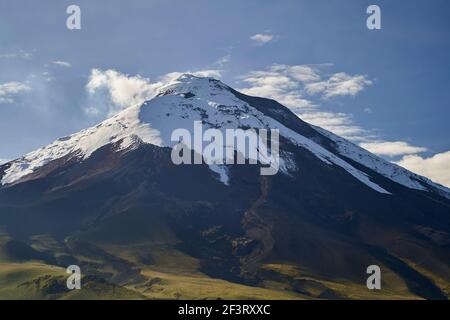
(47, 76)
(213, 73)
(337, 122)
(303, 88)
(392, 148)
(223, 61)
(19, 54)
(9, 90)
(263, 38)
(111, 91)
(437, 167)
(285, 82)
(61, 63)
(339, 84)
(281, 82)
(291, 85)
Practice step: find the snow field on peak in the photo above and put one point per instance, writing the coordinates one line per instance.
(177, 105)
(387, 169)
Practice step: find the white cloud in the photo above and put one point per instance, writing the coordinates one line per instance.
(288, 85)
(8, 55)
(302, 73)
(262, 39)
(60, 63)
(2, 161)
(223, 61)
(213, 73)
(47, 76)
(295, 87)
(111, 91)
(391, 148)
(20, 54)
(336, 122)
(9, 90)
(121, 91)
(339, 84)
(282, 83)
(437, 167)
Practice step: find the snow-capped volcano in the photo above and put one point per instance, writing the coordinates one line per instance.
(188, 98)
(111, 200)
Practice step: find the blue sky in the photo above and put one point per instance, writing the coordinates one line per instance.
(387, 89)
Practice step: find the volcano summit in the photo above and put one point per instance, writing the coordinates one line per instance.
(110, 199)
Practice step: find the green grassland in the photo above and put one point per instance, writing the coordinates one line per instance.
(158, 270)
(172, 275)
